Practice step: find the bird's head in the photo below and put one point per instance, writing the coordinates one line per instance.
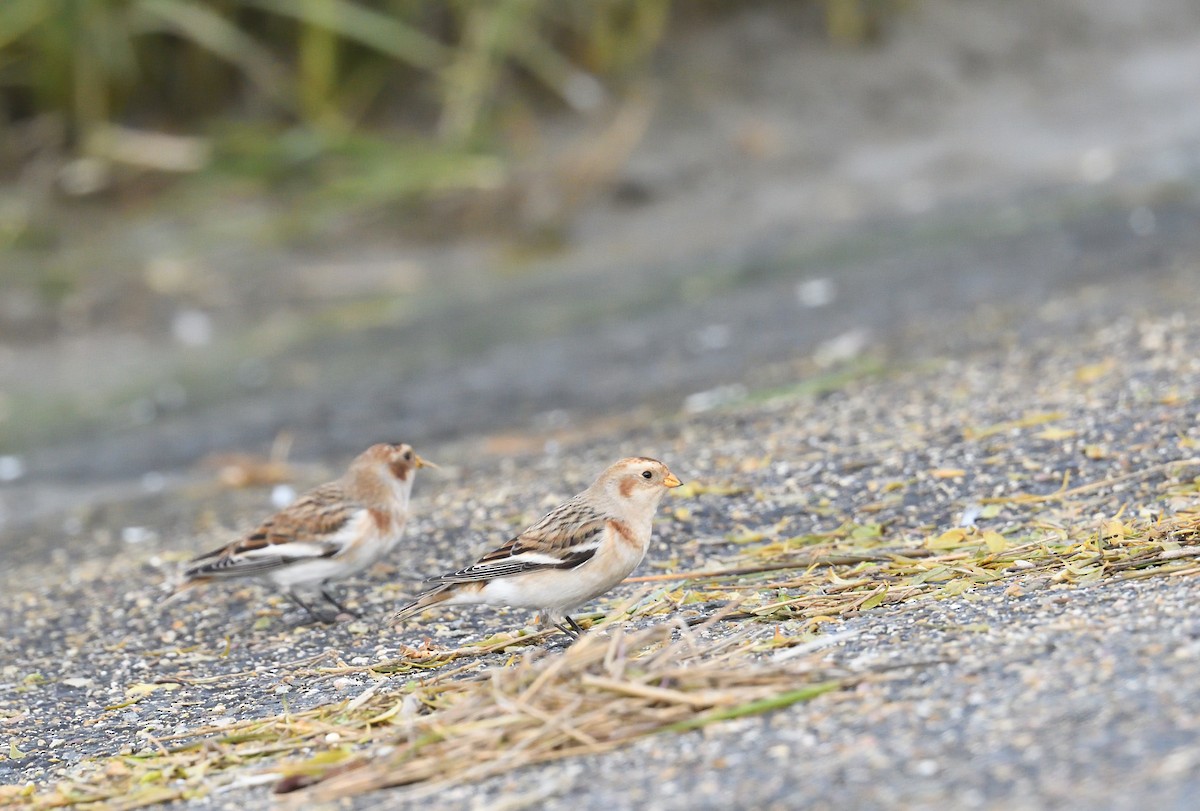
(638, 482)
(387, 463)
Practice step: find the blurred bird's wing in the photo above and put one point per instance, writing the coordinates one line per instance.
(566, 538)
(317, 525)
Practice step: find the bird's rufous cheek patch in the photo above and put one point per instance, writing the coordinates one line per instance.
(399, 469)
(627, 485)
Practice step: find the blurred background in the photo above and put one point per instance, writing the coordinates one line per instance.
(297, 227)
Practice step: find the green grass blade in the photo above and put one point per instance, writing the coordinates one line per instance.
(19, 17)
(214, 33)
(375, 30)
(754, 707)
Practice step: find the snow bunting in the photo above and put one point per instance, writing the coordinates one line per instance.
(580, 550)
(329, 533)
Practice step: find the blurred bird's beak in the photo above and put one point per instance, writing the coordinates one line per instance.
(424, 462)
(672, 480)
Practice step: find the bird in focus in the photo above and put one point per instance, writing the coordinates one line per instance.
(330, 533)
(578, 551)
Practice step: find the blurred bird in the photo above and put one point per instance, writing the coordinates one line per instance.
(578, 551)
(329, 533)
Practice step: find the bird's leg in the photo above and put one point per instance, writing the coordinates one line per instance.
(571, 628)
(311, 612)
(325, 593)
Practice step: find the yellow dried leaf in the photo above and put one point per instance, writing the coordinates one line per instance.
(935, 575)
(1055, 434)
(996, 543)
(862, 532)
(1029, 420)
(833, 578)
(7, 793)
(1093, 372)
(947, 473)
(950, 539)
(696, 487)
(745, 537)
(318, 762)
(874, 600)
(953, 589)
(145, 688)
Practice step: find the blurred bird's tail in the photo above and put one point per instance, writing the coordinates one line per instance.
(180, 587)
(430, 598)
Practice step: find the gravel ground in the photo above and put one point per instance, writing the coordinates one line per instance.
(1027, 693)
(1046, 695)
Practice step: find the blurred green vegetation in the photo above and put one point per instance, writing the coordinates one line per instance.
(319, 77)
(442, 69)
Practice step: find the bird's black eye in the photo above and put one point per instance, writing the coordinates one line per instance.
(408, 456)
(646, 474)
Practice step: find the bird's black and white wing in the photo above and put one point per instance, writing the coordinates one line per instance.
(566, 538)
(320, 524)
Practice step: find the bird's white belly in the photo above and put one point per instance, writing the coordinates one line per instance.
(563, 589)
(307, 572)
(362, 545)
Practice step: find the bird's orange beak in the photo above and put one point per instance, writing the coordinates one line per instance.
(424, 462)
(672, 480)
